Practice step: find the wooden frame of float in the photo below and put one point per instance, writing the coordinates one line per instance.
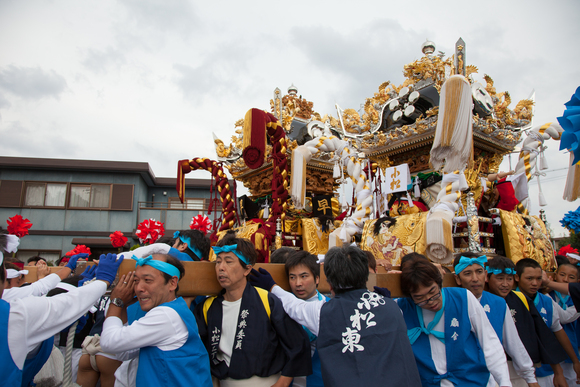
(200, 278)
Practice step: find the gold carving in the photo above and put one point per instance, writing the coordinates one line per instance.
(392, 243)
(313, 239)
(526, 240)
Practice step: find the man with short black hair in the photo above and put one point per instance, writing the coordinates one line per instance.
(166, 337)
(250, 339)
(539, 341)
(361, 335)
(303, 276)
(193, 243)
(281, 255)
(471, 275)
(33, 261)
(529, 280)
(452, 339)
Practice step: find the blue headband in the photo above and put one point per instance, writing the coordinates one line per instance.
(508, 270)
(164, 267)
(187, 240)
(230, 249)
(465, 262)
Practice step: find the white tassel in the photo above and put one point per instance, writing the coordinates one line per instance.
(409, 200)
(542, 199)
(572, 188)
(343, 234)
(543, 162)
(266, 211)
(416, 189)
(337, 170)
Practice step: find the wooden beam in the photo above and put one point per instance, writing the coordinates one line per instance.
(200, 278)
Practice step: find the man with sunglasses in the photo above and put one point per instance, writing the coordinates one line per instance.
(452, 339)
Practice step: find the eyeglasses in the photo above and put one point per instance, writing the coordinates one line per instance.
(425, 302)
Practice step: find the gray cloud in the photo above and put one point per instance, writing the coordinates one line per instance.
(223, 71)
(364, 58)
(32, 82)
(99, 60)
(19, 140)
(163, 16)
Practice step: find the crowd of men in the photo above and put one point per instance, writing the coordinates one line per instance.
(254, 333)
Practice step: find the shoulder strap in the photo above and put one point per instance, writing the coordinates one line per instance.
(206, 305)
(264, 297)
(523, 298)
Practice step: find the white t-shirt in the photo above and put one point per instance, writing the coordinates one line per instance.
(231, 311)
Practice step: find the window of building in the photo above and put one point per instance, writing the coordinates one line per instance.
(188, 204)
(90, 196)
(45, 194)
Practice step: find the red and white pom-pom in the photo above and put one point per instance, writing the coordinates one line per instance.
(200, 223)
(149, 230)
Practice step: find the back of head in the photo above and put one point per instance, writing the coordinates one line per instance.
(346, 268)
(65, 285)
(245, 247)
(302, 257)
(418, 272)
(412, 257)
(166, 240)
(524, 263)
(281, 255)
(198, 240)
(372, 261)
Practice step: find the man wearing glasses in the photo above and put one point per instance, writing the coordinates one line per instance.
(452, 339)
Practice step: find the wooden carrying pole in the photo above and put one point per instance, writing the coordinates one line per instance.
(200, 278)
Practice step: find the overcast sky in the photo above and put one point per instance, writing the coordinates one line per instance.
(149, 80)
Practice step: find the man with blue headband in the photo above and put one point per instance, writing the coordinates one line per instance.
(251, 341)
(529, 280)
(470, 274)
(165, 339)
(538, 339)
(188, 245)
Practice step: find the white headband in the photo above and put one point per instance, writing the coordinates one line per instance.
(65, 286)
(573, 256)
(11, 273)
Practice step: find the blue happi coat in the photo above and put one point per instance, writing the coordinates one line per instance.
(10, 374)
(495, 308)
(466, 365)
(363, 341)
(185, 366)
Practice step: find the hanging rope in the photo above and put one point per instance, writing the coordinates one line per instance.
(67, 375)
(221, 182)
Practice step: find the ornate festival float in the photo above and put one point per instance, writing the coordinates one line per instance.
(423, 163)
